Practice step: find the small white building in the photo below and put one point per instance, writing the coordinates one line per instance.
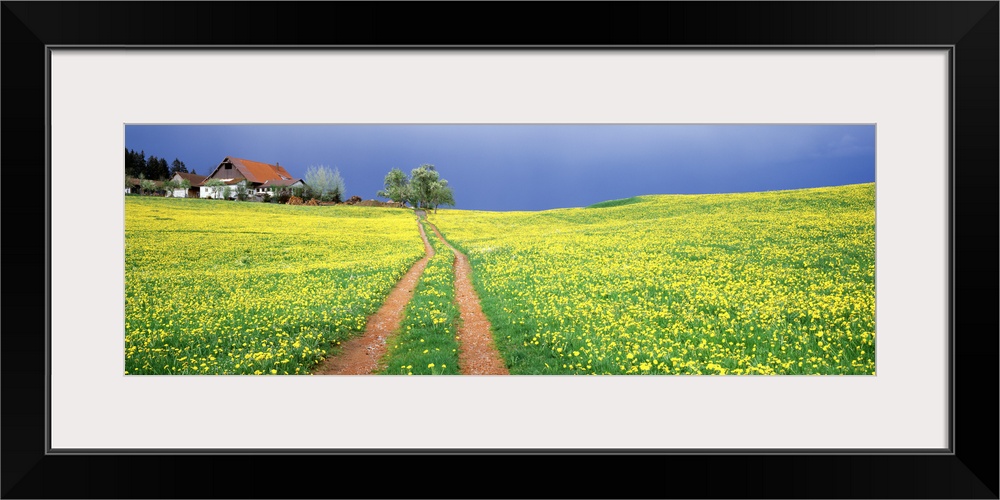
(267, 186)
(193, 191)
(217, 191)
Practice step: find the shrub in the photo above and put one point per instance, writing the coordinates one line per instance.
(295, 200)
(326, 184)
(242, 192)
(146, 186)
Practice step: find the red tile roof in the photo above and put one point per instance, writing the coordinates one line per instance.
(195, 179)
(258, 172)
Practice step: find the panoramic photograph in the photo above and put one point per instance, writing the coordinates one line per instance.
(522, 249)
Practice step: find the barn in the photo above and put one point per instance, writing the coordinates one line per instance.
(260, 177)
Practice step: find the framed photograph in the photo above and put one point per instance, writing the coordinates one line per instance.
(884, 114)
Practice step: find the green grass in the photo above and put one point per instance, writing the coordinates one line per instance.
(616, 203)
(751, 283)
(217, 287)
(426, 342)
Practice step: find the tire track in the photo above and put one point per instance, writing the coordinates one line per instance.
(362, 355)
(477, 353)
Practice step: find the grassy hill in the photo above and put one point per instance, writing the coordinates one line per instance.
(770, 282)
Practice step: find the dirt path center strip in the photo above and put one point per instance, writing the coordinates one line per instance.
(477, 354)
(361, 355)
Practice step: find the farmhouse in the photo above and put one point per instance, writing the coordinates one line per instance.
(260, 177)
(195, 181)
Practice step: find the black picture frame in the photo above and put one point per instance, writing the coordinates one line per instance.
(968, 470)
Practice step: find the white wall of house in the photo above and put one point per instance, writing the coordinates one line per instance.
(180, 193)
(216, 193)
(208, 192)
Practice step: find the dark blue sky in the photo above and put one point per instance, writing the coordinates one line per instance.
(537, 167)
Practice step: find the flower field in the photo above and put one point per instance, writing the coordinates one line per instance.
(775, 282)
(216, 287)
(426, 342)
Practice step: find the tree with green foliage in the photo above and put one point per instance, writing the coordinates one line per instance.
(423, 189)
(177, 166)
(215, 185)
(156, 168)
(135, 163)
(169, 186)
(129, 164)
(397, 187)
(227, 193)
(152, 165)
(140, 164)
(186, 185)
(146, 186)
(441, 194)
(422, 181)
